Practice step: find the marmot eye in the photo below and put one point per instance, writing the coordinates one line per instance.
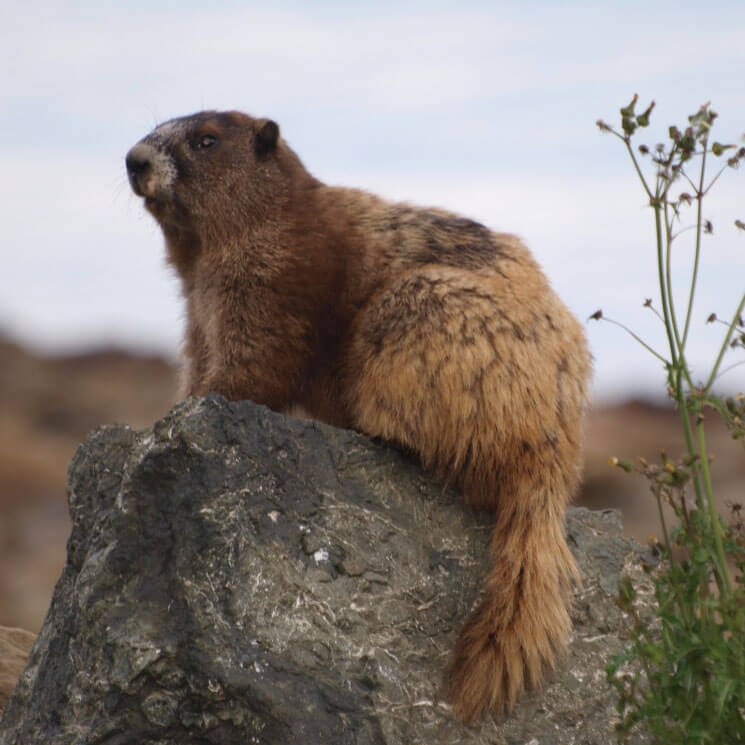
(205, 141)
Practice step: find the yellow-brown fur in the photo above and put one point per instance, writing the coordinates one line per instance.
(413, 325)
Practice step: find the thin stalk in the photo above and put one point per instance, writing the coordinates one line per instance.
(684, 230)
(663, 292)
(663, 523)
(687, 178)
(715, 179)
(725, 344)
(639, 173)
(685, 419)
(716, 527)
(681, 606)
(697, 254)
(669, 284)
(654, 200)
(656, 312)
(730, 367)
(638, 338)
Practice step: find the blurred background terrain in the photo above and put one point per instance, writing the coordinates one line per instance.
(49, 404)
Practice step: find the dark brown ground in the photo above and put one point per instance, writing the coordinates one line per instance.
(48, 405)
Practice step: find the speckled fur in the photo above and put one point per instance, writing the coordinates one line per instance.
(414, 325)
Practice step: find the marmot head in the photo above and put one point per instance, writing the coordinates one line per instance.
(211, 171)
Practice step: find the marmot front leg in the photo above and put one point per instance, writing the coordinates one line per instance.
(246, 359)
(196, 355)
(489, 390)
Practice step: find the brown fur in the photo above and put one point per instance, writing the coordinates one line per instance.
(413, 325)
(15, 645)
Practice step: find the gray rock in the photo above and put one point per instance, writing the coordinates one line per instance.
(237, 576)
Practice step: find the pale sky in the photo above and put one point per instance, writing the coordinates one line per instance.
(487, 109)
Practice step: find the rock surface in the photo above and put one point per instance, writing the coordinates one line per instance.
(236, 576)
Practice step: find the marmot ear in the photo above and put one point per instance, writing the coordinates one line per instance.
(266, 136)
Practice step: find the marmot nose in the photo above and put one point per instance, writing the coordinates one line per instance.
(137, 161)
(138, 166)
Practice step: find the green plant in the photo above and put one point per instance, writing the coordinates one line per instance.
(683, 674)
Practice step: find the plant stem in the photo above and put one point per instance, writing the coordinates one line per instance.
(730, 367)
(665, 534)
(663, 284)
(638, 338)
(639, 173)
(685, 419)
(669, 287)
(716, 527)
(697, 254)
(725, 344)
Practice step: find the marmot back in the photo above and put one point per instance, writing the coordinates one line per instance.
(414, 325)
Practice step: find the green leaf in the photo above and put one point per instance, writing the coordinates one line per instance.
(628, 125)
(643, 119)
(628, 111)
(717, 148)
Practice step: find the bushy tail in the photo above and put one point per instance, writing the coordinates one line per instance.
(522, 623)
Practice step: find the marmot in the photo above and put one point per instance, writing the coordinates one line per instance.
(413, 325)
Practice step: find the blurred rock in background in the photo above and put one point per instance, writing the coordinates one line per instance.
(47, 407)
(49, 404)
